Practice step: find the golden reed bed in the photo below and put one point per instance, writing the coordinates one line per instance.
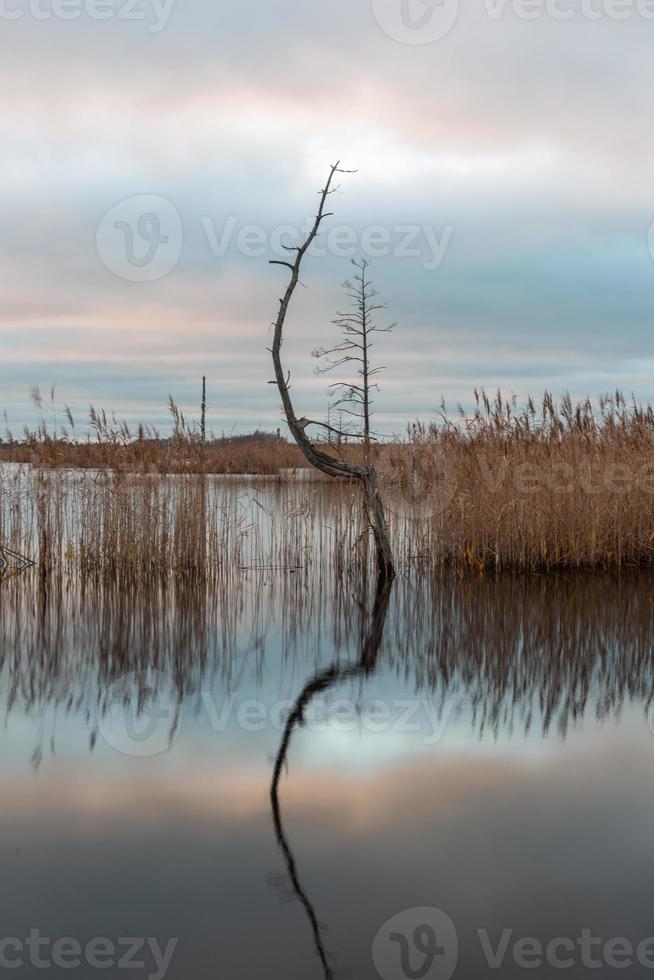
(542, 487)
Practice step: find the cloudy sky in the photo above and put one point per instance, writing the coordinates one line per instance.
(154, 153)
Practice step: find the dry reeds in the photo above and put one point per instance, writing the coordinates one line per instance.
(153, 526)
(558, 486)
(541, 488)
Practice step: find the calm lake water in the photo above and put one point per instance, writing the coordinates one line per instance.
(469, 764)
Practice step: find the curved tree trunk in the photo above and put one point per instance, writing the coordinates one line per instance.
(330, 465)
(321, 682)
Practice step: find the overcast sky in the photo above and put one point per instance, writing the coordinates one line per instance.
(153, 154)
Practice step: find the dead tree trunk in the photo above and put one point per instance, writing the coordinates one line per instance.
(330, 465)
(203, 411)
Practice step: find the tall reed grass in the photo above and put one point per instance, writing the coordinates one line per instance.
(544, 487)
(553, 486)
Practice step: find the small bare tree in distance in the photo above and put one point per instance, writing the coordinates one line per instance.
(203, 411)
(332, 466)
(358, 327)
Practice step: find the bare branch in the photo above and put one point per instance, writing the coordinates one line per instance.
(326, 463)
(339, 432)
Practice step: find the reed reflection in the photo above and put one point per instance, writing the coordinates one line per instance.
(532, 655)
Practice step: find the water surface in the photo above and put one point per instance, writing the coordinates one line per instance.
(270, 767)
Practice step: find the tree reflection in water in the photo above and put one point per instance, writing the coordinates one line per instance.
(539, 654)
(535, 654)
(321, 682)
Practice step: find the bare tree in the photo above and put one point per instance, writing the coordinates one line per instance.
(358, 327)
(203, 411)
(330, 465)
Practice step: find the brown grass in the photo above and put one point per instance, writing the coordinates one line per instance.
(152, 455)
(549, 487)
(540, 488)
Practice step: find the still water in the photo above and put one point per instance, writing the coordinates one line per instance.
(289, 775)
